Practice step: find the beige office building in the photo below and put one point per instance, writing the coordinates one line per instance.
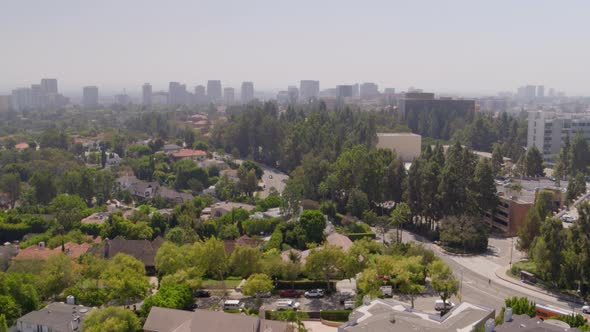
(406, 145)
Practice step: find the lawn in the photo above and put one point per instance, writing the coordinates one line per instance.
(231, 282)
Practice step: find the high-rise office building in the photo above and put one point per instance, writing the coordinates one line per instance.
(355, 90)
(293, 94)
(389, 91)
(49, 85)
(22, 99)
(36, 95)
(229, 96)
(122, 99)
(415, 105)
(369, 90)
(309, 89)
(548, 130)
(214, 91)
(247, 92)
(146, 94)
(177, 94)
(541, 91)
(5, 103)
(200, 95)
(90, 97)
(343, 91)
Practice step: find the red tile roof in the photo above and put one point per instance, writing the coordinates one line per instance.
(36, 252)
(21, 146)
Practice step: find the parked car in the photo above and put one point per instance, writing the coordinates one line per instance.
(439, 305)
(586, 309)
(233, 305)
(290, 293)
(287, 305)
(202, 293)
(349, 304)
(387, 291)
(263, 294)
(314, 293)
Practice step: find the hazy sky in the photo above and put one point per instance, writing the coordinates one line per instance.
(468, 46)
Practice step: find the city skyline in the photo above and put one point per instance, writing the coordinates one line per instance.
(388, 43)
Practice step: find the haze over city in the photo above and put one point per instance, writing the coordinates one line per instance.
(463, 47)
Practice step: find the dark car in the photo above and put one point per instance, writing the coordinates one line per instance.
(290, 293)
(202, 293)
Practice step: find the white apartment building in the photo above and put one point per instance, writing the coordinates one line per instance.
(548, 130)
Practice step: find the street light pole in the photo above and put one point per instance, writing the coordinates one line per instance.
(511, 247)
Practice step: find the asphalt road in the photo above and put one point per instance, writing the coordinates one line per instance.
(479, 283)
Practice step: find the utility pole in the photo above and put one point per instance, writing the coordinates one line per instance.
(511, 247)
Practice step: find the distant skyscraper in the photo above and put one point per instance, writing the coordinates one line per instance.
(530, 92)
(309, 89)
(229, 96)
(389, 91)
(146, 94)
(49, 85)
(90, 97)
(22, 99)
(200, 95)
(369, 90)
(247, 92)
(293, 94)
(540, 91)
(122, 99)
(344, 91)
(214, 90)
(177, 94)
(356, 90)
(36, 95)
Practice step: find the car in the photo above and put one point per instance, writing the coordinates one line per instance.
(263, 294)
(287, 305)
(202, 293)
(270, 176)
(314, 293)
(439, 305)
(290, 293)
(349, 304)
(586, 309)
(387, 291)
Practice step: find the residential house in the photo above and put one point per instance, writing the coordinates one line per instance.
(172, 320)
(395, 316)
(55, 317)
(171, 148)
(231, 174)
(173, 195)
(5, 200)
(41, 252)
(96, 218)
(194, 155)
(21, 146)
(143, 250)
(243, 240)
(222, 208)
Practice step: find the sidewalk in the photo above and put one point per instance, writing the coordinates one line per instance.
(501, 273)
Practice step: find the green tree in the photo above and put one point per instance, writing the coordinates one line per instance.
(547, 249)
(409, 276)
(576, 186)
(325, 263)
(256, 284)
(580, 155)
(170, 295)
(44, 184)
(465, 233)
(9, 309)
(400, 216)
(484, 188)
(534, 162)
(68, 210)
(124, 278)
(3, 323)
(497, 160)
(313, 224)
(357, 203)
(59, 272)
(245, 261)
(10, 183)
(443, 281)
(112, 319)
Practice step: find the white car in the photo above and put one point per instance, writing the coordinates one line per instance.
(439, 305)
(314, 293)
(586, 309)
(349, 304)
(287, 305)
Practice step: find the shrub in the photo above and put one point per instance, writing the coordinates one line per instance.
(335, 315)
(521, 306)
(357, 236)
(573, 320)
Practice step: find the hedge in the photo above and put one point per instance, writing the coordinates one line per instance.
(280, 315)
(13, 232)
(357, 236)
(303, 284)
(335, 315)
